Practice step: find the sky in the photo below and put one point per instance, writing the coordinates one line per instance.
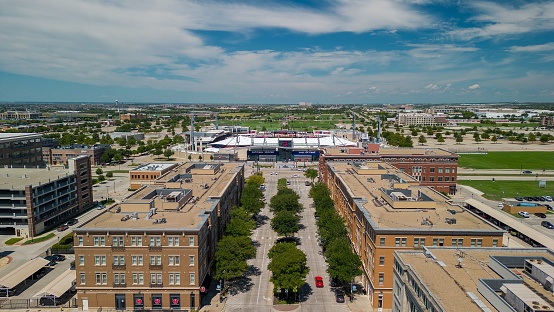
(286, 51)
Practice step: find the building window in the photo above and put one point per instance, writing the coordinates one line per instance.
(381, 278)
(117, 241)
(100, 260)
(174, 279)
(82, 278)
(173, 240)
(192, 281)
(119, 260)
(432, 170)
(440, 170)
(446, 179)
(81, 260)
(174, 260)
(431, 179)
(403, 241)
(119, 278)
(156, 278)
(416, 242)
(156, 260)
(495, 243)
(138, 278)
(446, 170)
(397, 242)
(382, 260)
(79, 241)
(476, 242)
(191, 260)
(101, 279)
(422, 241)
(191, 240)
(435, 241)
(382, 241)
(136, 260)
(155, 241)
(136, 240)
(441, 241)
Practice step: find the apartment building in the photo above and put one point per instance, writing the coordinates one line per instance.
(433, 167)
(20, 115)
(387, 210)
(61, 155)
(146, 174)
(473, 279)
(132, 116)
(21, 149)
(34, 200)
(156, 249)
(547, 121)
(421, 119)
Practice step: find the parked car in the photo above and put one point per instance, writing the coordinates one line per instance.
(524, 214)
(548, 198)
(318, 281)
(62, 227)
(59, 257)
(548, 207)
(72, 222)
(295, 176)
(307, 183)
(547, 225)
(536, 198)
(52, 260)
(500, 205)
(339, 296)
(334, 282)
(527, 171)
(542, 198)
(540, 215)
(288, 182)
(100, 206)
(519, 198)
(529, 198)
(49, 301)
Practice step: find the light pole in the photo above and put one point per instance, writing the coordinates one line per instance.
(351, 292)
(108, 193)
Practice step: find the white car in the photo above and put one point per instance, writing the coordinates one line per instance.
(548, 198)
(295, 176)
(524, 214)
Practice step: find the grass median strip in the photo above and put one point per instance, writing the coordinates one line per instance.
(508, 160)
(39, 239)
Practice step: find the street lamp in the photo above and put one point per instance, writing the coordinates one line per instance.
(108, 192)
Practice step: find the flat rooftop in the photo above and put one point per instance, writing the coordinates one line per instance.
(449, 284)
(202, 187)
(154, 167)
(434, 208)
(387, 151)
(18, 178)
(13, 136)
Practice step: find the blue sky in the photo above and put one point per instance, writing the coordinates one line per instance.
(247, 51)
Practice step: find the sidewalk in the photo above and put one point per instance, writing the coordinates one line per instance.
(360, 304)
(210, 302)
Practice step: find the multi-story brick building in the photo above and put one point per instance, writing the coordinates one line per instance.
(156, 249)
(473, 279)
(547, 121)
(60, 155)
(421, 119)
(436, 168)
(148, 173)
(20, 115)
(386, 210)
(132, 116)
(21, 149)
(34, 200)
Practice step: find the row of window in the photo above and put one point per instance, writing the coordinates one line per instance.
(420, 241)
(101, 278)
(136, 260)
(144, 176)
(119, 241)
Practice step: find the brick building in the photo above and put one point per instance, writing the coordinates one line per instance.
(60, 155)
(156, 250)
(21, 149)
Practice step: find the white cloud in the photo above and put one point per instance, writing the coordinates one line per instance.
(502, 19)
(431, 87)
(474, 87)
(533, 48)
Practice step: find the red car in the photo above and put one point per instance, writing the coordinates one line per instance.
(318, 281)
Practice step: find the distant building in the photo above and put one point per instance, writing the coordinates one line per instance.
(421, 119)
(387, 210)
(21, 149)
(432, 167)
(20, 115)
(146, 174)
(305, 104)
(139, 136)
(132, 116)
(36, 200)
(473, 279)
(157, 252)
(547, 121)
(61, 155)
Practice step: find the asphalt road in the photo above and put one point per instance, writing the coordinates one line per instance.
(257, 291)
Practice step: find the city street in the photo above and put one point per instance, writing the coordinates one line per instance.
(258, 294)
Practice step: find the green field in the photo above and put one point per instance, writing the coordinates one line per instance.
(508, 160)
(500, 125)
(493, 190)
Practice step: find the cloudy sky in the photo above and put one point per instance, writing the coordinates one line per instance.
(277, 51)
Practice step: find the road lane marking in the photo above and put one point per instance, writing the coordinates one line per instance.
(260, 282)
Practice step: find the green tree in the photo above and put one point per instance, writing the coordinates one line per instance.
(190, 157)
(241, 223)
(118, 158)
(289, 269)
(459, 139)
(494, 139)
(422, 139)
(485, 136)
(231, 255)
(285, 223)
(311, 174)
(101, 178)
(167, 153)
(99, 171)
(109, 174)
(344, 264)
(544, 138)
(477, 137)
(532, 137)
(157, 152)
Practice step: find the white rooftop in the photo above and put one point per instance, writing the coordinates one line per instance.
(154, 167)
(243, 141)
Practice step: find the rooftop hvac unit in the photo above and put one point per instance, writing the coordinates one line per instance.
(135, 215)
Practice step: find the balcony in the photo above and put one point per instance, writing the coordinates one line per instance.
(156, 285)
(118, 248)
(120, 285)
(154, 248)
(156, 267)
(119, 267)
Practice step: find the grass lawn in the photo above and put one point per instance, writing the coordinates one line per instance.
(13, 240)
(508, 160)
(493, 190)
(39, 239)
(498, 125)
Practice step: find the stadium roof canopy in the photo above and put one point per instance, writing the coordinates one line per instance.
(245, 141)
